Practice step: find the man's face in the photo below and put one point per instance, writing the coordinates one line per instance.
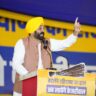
(40, 29)
(39, 34)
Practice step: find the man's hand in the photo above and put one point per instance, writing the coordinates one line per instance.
(76, 27)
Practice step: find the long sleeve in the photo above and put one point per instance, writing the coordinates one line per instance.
(58, 45)
(18, 58)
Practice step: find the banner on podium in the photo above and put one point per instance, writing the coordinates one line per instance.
(65, 85)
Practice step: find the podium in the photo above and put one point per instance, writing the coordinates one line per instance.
(44, 84)
(57, 85)
(29, 84)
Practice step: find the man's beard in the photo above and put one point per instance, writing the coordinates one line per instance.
(39, 36)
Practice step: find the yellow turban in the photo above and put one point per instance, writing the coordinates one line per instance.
(33, 24)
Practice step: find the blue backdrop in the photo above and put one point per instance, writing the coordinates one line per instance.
(64, 10)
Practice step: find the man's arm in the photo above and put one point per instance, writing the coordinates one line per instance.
(18, 58)
(58, 45)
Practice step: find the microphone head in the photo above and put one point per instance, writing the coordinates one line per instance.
(45, 42)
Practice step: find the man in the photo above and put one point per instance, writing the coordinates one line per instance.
(34, 52)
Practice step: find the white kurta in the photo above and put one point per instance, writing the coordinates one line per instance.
(19, 52)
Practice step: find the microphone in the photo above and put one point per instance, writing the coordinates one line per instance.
(45, 42)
